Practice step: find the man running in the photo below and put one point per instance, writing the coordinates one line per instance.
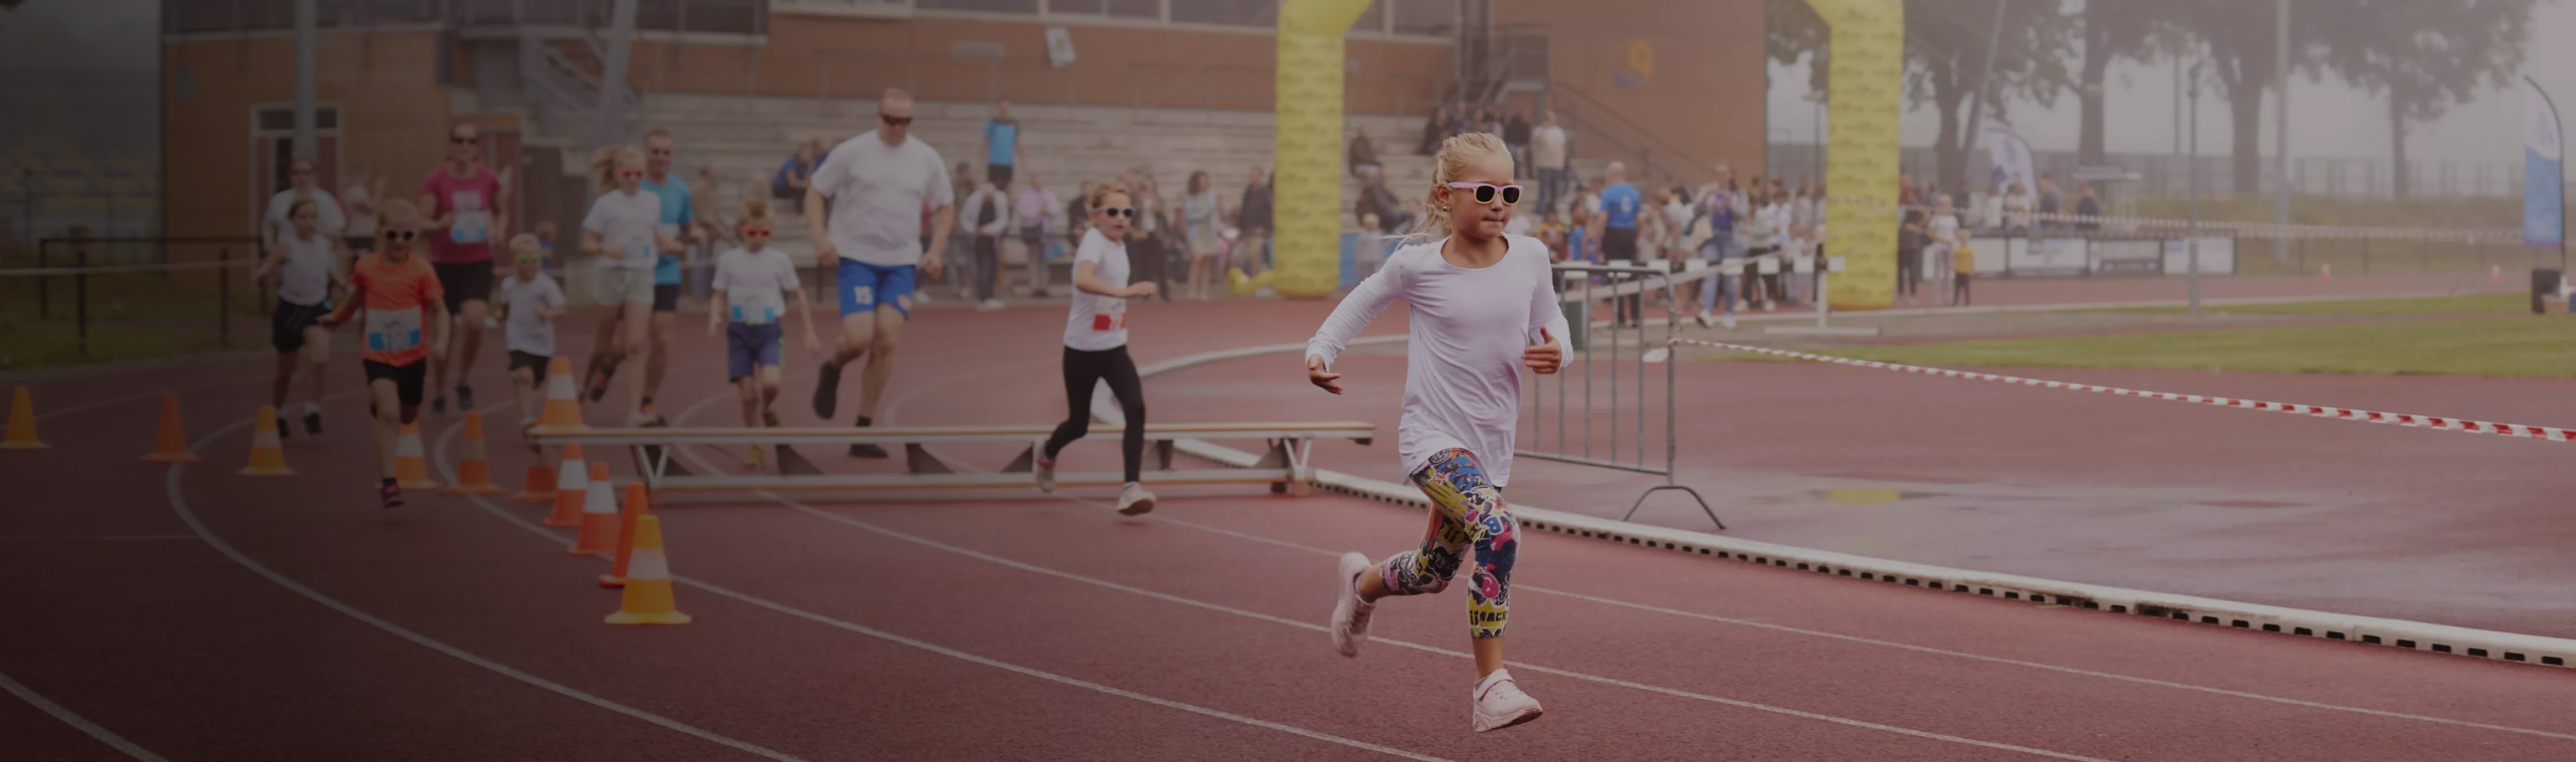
(679, 222)
(879, 183)
(468, 205)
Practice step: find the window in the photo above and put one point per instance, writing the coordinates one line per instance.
(987, 6)
(1145, 9)
(282, 119)
(1260, 13)
(1433, 18)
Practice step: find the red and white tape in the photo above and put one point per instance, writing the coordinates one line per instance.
(2314, 411)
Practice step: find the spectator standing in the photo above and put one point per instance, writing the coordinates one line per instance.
(1946, 233)
(1001, 145)
(1201, 232)
(1363, 155)
(1910, 242)
(1145, 239)
(1377, 201)
(986, 215)
(960, 249)
(1516, 136)
(2050, 204)
(2016, 208)
(2088, 207)
(360, 196)
(712, 229)
(1035, 209)
(1434, 130)
(1547, 150)
(1620, 204)
(1252, 221)
(1077, 216)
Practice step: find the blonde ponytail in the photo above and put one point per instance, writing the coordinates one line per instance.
(604, 164)
(754, 210)
(1455, 154)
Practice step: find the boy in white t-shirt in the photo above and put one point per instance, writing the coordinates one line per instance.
(530, 302)
(753, 287)
(307, 268)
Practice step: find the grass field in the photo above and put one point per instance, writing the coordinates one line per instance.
(2474, 304)
(2526, 346)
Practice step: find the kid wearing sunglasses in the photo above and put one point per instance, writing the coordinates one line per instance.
(406, 324)
(1483, 308)
(753, 286)
(530, 302)
(1095, 344)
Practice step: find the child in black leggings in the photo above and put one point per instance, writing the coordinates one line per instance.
(1095, 343)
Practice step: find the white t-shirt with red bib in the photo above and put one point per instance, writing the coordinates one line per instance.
(1099, 323)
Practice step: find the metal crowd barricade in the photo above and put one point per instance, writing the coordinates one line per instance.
(1581, 286)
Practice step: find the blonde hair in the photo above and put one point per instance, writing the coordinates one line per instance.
(400, 213)
(1455, 154)
(604, 164)
(302, 204)
(1100, 194)
(526, 245)
(754, 209)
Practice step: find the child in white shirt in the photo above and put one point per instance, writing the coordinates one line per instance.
(753, 287)
(530, 301)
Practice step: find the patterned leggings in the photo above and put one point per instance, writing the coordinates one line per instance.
(1470, 512)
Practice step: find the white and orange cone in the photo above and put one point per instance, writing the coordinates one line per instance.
(572, 477)
(411, 468)
(267, 458)
(563, 404)
(647, 599)
(598, 535)
(474, 474)
(636, 505)
(538, 487)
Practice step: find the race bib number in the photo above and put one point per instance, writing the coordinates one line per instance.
(1111, 316)
(393, 330)
(640, 254)
(754, 315)
(470, 227)
(863, 296)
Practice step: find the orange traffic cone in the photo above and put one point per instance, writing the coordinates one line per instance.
(22, 422)
(474, 475)
(571, 479)
(648, 581)
(538, 487)
(173, 447)
(411, 469)
(598, 516)
(636, 506)
(563, 407)
(2495, 272)
(2326, 271)
(266, 457)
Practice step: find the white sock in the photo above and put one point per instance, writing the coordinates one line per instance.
(1133, 485)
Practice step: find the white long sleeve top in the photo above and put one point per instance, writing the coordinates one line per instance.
(1462, 384)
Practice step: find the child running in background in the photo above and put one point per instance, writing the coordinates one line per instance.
(623, 234)
(395, 287)
(1483, 308)
(1095, 344)
(530, 302)
(306, 267)
(753, 285)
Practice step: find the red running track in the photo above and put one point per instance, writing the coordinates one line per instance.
(1007, 626)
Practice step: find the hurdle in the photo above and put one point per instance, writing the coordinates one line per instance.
(1287, 464)
(1578, 292)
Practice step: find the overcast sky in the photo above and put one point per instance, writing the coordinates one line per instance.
(2328, 118)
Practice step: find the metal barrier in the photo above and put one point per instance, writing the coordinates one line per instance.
(1286, 466)
(1583, 285)
(155, 287)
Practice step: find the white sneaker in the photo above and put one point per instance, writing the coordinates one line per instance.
(1132, 501)
(1350, 614)
(1046, 474)
(1500, 704)
(989, 305)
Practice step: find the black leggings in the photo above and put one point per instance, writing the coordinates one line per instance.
(1083, 371)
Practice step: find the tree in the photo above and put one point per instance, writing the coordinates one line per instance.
(1945, 57)
(2113, 30)
(1792, 30)
(2425, 56)
(2237, 39)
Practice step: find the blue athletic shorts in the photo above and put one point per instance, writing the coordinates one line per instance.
(748, 348)
(864, 286)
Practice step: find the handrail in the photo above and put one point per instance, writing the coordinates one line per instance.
(1647, 152)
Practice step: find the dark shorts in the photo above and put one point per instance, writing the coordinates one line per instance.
(537, 363)
(467, 282)
(748, 348)
(408, 379)
(666, 297)
(1000, 174)
(286, 325)
(1619, 243)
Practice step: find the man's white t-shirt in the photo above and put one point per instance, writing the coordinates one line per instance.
(326, 208)
(626, 224)
(755, 284)
(1098, 323)
(527, 331)
(361, 224)
(1462, 383)
(878, 193)
(305, 277)
(1547, 147)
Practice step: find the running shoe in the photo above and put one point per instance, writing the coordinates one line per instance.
(1350, 614)
(1501, 704)
(769, 418)
(1134, 500)
(313, 422)
(1046, 474)
(827, 391)
(438, 405)
(639, 419)
(989, 305)
(752, 460)
(864, 449)
(599, 383)
(392, 494)
(464, 396)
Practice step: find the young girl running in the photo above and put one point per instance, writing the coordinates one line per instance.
(1483, 308)
(753, 286)
(623, 233)
(1095, 343)
(530, 301)
(406, 323)
(306, 268)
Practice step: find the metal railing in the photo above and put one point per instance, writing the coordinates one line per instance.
(1583, 285)
(156, 298)
(1592, 120)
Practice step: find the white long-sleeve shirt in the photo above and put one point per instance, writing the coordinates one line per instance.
(1462, 383)
(970, 213)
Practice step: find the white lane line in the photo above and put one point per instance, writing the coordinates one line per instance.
(1922, 649)
(100, 537)
(448, 470)
(179, 505)
(68, 717)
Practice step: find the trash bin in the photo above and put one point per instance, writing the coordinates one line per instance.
(2544, 287)
(1578, 321)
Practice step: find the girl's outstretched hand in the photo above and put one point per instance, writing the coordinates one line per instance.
(1321, 378)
